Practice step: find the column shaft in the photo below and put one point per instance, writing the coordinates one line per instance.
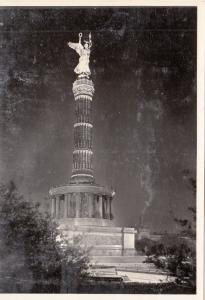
(110, 205)
(53, 207)
(90, 204)
(65, 206)
(100, 206)
(57, 206)
(83, 90)
(77, 206)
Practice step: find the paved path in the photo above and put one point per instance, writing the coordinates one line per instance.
(145, 277)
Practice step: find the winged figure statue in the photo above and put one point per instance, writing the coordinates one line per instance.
(82, 69)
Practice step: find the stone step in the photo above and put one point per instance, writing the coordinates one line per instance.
(104, 271)
(140, 268)
(118, 259)
(128, 264)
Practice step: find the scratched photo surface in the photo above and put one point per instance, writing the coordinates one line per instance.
(143, 65)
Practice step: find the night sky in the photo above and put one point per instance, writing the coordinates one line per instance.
(143, 65)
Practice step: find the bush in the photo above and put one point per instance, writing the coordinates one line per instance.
(32, 258)
(172, 253)
(180, 261)
(145, 246)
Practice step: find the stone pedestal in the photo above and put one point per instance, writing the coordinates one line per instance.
(85, 210)
(105, 240)
(128, 237)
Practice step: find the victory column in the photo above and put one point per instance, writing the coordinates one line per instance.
(83, 207)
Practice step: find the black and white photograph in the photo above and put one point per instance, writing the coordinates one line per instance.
(98, 150)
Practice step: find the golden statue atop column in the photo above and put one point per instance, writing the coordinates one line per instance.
(82, 69)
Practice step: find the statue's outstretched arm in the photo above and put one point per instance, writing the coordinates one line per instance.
(76, 46)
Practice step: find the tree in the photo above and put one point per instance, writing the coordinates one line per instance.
(180, 249)
(75, 264)
(34, 254)
(188, 226)
(187, 267)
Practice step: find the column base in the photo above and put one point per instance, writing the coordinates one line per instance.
(101, 240)
(82, 179)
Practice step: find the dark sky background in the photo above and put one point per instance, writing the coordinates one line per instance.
(143, 65)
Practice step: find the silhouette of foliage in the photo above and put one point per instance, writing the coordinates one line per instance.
(34, 255)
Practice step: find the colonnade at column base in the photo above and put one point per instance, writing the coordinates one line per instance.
(92, 203)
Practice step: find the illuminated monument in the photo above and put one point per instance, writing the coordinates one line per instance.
(82, 206)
